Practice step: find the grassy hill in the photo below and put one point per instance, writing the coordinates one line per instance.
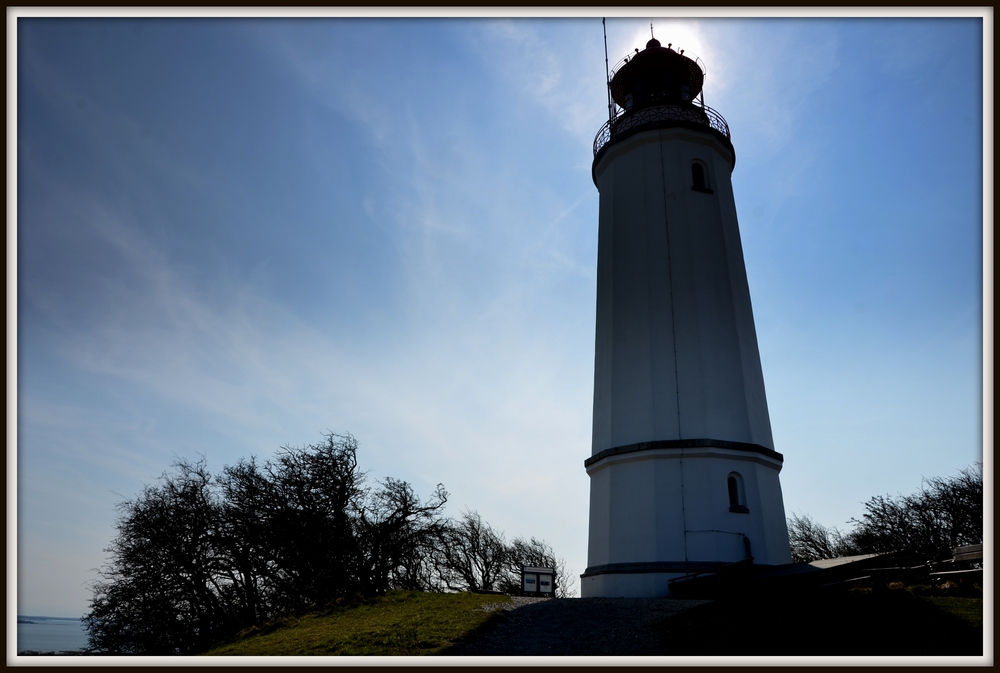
(399, 623)
(889, 621)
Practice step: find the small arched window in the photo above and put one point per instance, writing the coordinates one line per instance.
(737, 494)
(699, 178)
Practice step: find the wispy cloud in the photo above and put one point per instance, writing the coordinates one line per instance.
(473, 390)
(769, 72)
(559, 71)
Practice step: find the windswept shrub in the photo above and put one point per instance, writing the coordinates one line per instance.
(474, 556)
(811, 541)
(925, 526)
(200, 558)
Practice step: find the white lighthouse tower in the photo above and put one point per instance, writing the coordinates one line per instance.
(683, 473)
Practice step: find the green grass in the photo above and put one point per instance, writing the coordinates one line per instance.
(849, 623)
(894, 621)
(969, 609)
(399, 623)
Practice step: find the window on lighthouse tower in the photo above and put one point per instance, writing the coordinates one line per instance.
(699, 178)
(737, 494)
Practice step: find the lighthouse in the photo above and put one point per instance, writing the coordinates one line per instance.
(683, 470)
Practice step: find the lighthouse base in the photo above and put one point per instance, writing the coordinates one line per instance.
(662, 510)
(640, 585)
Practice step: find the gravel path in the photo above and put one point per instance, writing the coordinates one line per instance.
(576, 626)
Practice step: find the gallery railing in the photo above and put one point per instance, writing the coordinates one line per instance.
(627, 121)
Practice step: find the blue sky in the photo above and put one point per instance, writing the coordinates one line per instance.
(238, 234)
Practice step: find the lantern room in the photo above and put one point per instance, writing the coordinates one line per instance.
(656, 75)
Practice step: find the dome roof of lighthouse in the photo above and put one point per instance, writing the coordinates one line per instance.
(656, 66)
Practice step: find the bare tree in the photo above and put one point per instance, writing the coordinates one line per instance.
(165, 591)
(945, 513)
(395, 533)
(472, 555)
(244, 533)
(537, 553)
(811, 541)
(197, 558)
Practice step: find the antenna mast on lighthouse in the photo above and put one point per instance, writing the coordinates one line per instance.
(607, 71)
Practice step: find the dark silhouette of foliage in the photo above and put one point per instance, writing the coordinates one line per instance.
(474, 556)
(245, 533)
(161, 593)
(811, 541)
(395, 533)
(925, 526)
(308, 523)
(537, 553)
(198, 558)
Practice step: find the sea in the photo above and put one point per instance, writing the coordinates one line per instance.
(50, 634)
